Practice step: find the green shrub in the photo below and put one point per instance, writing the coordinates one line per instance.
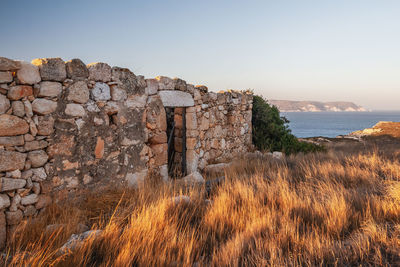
(271, 132)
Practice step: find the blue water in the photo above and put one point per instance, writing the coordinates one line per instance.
(332, 124)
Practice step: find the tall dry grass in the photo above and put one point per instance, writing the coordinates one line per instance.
(334, 208)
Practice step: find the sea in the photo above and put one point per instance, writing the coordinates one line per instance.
(332, 124)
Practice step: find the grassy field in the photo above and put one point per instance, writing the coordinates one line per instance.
(340, 208)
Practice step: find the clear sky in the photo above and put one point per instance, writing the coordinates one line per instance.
(344, 50)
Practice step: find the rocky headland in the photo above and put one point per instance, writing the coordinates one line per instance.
(315, 106)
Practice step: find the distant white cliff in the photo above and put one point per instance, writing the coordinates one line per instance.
(315, 106)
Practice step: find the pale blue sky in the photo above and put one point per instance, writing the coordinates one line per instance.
(299, 50)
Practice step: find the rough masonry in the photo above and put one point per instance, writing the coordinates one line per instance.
(68, 125)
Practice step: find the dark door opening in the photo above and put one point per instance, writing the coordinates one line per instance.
(176, 133)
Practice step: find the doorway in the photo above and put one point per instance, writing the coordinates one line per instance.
(176, 133)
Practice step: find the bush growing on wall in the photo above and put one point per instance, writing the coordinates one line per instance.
(271, 132)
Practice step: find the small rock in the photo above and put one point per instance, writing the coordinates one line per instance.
(36, 188)
(18, 108)
(4, 201)
(38, 158)
(43, 106)
(277, 155)
(35, 145)
(28, 108)
(75, 110)
(194, 177)
(14, 174)
(16, 200)
(26, 174)
(29, 199)
(51, 69)
(87, 179)
(50, 89)
(30, 211)
(28, 73)
(75, 241)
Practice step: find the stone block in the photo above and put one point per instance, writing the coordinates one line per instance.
(4, 201)
(99, 149)
(126, 80)
(191, 121)
(19, 91)
(45, 125)
(28, 73)
(75, 110)
(76, 69)
(4, 104)
(171, 98)
(165, 83)
(18, 108)
(12, 140)
(6, 77)
(50, 89)
(99, 72)
(43, 106)
(180, 84)
(78, 92)
(29, 199)
(192, 160)
(160, 154)
(8, 184)
(136, 101)
(118, 94)
(101, 92)
(38, 158)
(12, 125)
(39, 174)
(152, 86)
(193, 178)
(159, 138)
(9, 65)
(51, 69)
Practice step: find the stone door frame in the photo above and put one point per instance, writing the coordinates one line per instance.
(178, 99)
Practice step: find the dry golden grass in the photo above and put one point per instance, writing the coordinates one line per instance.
(334, 208)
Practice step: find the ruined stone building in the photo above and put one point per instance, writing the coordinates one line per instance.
(67, 125)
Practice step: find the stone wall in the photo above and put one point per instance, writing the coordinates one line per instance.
(68, 125)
